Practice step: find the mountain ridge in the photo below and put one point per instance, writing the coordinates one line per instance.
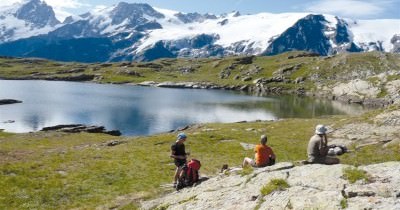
(137, 31)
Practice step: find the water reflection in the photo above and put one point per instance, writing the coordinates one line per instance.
(143, 110)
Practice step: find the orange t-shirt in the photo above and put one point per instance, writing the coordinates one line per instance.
(262, 154)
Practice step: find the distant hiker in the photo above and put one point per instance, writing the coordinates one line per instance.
(317, 149)
(264, 155)
(179, 154)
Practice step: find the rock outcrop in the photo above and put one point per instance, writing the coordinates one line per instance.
(310, 187)
(76, 128)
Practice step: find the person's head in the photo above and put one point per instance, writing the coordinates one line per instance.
(181, 137)
(263, 139)
(320, 130)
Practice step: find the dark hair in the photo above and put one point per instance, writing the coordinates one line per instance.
(263, 139)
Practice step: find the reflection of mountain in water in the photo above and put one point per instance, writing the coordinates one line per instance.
(303, 107)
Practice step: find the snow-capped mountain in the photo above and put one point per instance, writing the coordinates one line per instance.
(141, 32)
(25, 20)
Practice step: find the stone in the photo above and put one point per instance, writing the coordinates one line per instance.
(247, 146)
(148, 83)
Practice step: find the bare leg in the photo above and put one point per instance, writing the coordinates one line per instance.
(177, 173)
(246, 161)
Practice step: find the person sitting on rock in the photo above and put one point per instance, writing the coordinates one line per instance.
(179, 154)
(317, 149)
(264, 155)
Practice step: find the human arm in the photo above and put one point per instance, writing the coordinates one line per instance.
(323, 147)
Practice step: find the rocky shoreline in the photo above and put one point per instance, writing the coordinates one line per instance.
(261, 87)
(77, 128)
(354, 94)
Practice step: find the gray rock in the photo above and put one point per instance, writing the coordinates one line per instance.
(76, 128)
(310, 187)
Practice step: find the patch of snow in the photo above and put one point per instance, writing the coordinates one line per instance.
(257, 29)
(383, 30)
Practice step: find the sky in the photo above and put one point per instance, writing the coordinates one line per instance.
(355, 9)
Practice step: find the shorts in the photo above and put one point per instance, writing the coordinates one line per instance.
(254, 164)
(323, 160)
(179, 162)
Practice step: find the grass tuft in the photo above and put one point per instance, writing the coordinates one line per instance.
(343, 203)
(354, 174)
(274, 185)
(246, 171)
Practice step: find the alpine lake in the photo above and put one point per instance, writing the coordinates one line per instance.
(137, 110)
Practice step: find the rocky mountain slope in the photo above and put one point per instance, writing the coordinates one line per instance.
(140, 32)
(26, 20)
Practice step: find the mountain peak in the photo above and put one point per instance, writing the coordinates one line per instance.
(133, 12)
(38, 13)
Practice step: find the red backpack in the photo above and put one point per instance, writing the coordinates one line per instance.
(190, 174)
(193, 170)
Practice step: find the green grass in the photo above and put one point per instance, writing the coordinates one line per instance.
(354, 174)
(274, 185)
(343, 203)
(329, 69)
(246, 171)
(58, 170)
(371, 154)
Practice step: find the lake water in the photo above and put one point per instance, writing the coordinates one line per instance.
(136, 110)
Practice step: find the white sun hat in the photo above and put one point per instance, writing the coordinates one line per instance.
(320, 129)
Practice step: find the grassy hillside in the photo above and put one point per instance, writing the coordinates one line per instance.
(52, 170)
(236, 71)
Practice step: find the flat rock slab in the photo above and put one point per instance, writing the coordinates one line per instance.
(313, 186)
(247, 146)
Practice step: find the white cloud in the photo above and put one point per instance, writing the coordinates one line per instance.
(349, 8)
(60, 7)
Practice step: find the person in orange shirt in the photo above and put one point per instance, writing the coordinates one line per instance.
(264, 155)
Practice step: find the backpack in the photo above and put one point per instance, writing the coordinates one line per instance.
(189, 174)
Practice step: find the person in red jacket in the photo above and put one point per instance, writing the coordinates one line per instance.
(264, 155)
